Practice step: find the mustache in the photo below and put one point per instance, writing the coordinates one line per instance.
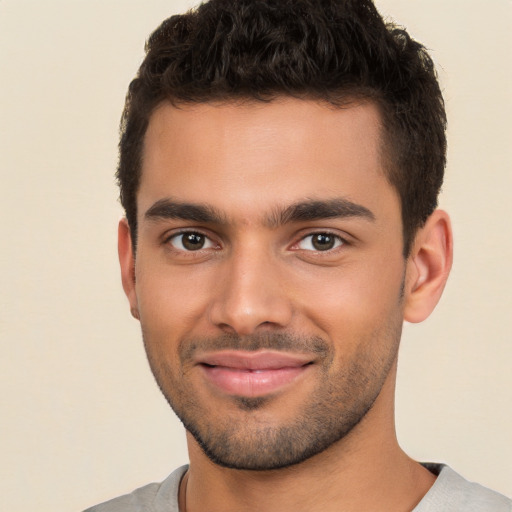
(286, 342)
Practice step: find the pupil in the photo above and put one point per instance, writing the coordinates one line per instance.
(323, 242)
(193, 241)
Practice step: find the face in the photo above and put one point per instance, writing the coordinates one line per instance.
(269, 274)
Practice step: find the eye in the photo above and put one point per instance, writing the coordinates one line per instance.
(190, 241)
(320, 242)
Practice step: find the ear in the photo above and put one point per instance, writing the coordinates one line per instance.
(127, 262)
(428, 267)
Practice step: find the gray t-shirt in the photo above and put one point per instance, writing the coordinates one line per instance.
(450, 493)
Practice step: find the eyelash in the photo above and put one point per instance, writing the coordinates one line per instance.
(168, 240)
(339, 242)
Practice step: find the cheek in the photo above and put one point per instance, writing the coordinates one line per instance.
(355, 299)
(171, 301)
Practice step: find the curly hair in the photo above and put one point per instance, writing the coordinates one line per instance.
(335, 51)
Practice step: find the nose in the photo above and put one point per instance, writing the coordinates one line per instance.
(251, 295)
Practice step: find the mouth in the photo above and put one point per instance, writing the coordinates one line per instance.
(253, 374)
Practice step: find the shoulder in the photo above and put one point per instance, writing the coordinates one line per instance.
(154, 497)
(453, 493)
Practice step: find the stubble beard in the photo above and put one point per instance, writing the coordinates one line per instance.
(249, 442)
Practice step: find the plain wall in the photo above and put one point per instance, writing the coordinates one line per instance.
(81, 418)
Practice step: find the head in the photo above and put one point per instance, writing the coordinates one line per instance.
(338, 52)
(278, 161)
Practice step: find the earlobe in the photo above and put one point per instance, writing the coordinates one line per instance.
(127, 263)
(428, 267)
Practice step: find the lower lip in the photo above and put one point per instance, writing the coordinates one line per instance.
(251, 383)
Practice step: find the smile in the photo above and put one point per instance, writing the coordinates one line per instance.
(253, 374)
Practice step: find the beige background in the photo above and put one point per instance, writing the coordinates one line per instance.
(81, 419)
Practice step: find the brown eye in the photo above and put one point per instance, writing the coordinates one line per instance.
(193, 241)
(320, 242)
(323, 242)
(190, 241)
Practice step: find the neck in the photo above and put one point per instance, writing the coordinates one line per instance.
(366, 470)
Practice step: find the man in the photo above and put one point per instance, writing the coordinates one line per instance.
(280, 163)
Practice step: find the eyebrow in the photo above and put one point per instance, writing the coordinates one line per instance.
(317, 210)
(301, 211)
(169, 209)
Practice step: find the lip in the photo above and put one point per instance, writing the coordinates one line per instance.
(253, 374)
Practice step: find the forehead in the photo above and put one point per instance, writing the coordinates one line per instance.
(254, 155)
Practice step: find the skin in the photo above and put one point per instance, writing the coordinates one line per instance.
(257, 277)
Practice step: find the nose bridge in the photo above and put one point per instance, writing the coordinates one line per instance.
(250, 291)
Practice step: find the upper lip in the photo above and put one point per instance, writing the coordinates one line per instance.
(261, 360)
